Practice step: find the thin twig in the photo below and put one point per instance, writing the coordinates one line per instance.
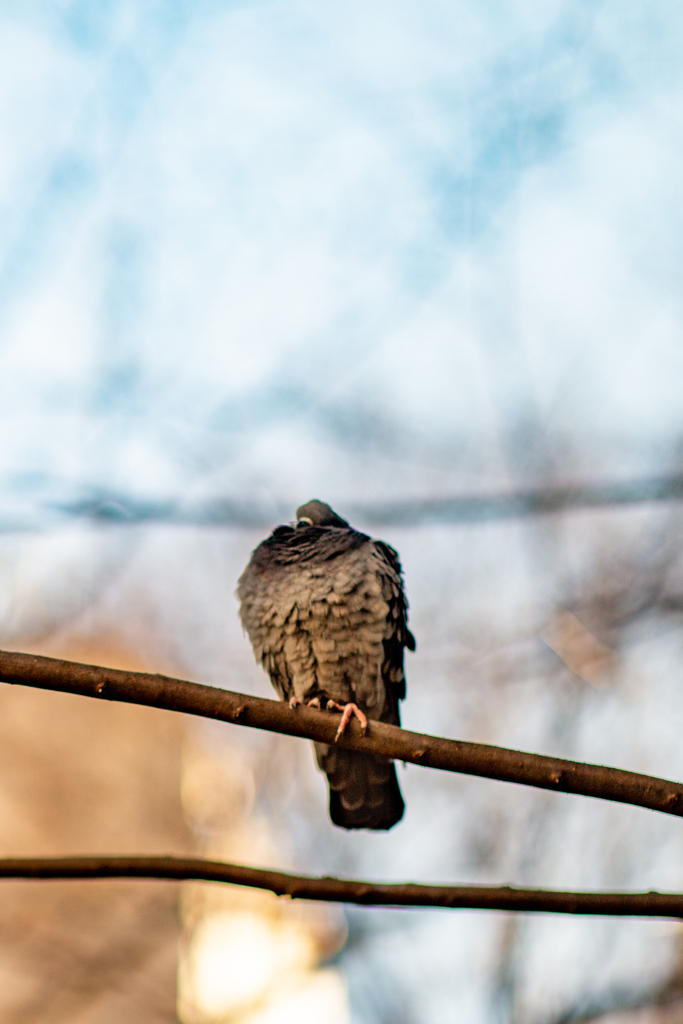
(380, 739)
(339, 890)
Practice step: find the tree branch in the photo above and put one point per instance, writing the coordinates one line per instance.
(338, 890)
(116, 507)
(516, 504)
(384, 740)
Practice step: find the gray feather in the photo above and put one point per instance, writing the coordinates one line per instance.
(325, 610)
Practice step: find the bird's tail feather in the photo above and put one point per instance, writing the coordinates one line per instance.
(364, 790)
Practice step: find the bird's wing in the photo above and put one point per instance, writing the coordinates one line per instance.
(397, 636)
(268, 597)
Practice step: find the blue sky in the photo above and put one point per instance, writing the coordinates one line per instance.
(237, 230)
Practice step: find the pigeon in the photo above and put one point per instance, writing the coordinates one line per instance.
(326, 613)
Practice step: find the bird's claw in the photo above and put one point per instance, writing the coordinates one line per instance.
(348, 712)
(294, 703)
(314, 703)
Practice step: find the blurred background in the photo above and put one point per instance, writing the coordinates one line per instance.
(409, 259)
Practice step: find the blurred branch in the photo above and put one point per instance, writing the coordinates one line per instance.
(337, 890)
(116, 508)
(516, 504)
(383, 740)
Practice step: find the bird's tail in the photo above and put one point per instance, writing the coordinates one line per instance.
(364, 789)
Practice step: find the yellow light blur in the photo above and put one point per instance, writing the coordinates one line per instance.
(319, 997)
(245, 967)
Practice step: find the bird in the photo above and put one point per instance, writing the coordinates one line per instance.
(325, 610)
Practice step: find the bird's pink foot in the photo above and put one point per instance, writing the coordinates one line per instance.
(294, 703)
(348, 711)
(314, 703)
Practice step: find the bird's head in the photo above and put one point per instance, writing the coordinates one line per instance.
(317, 513)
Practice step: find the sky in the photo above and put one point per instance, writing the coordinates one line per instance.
(246, 245)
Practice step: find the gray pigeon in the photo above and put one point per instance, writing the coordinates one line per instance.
(325, 610)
